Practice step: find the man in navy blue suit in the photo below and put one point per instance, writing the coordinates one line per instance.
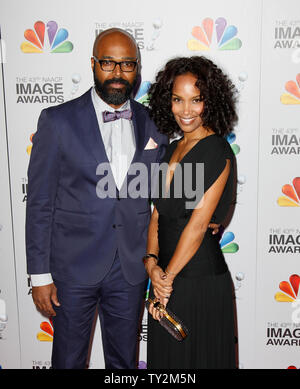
(85, 250)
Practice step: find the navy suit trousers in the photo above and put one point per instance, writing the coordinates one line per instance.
(119, 306)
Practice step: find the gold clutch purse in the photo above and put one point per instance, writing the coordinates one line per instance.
(169, 321)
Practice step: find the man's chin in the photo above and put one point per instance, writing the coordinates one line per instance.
(115, 98)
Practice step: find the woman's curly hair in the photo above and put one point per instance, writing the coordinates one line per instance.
(216, 90)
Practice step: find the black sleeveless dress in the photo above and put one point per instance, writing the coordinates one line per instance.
(202, 294)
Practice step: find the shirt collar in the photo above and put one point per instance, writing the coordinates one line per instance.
(101, 105)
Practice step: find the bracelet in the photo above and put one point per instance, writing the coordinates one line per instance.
(147, 256)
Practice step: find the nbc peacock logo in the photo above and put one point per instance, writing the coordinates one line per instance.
(46, 335)
(227, 243)
(293, 89)
(225, 36)
(289, 290)
(142, 94)
(291, 193)
(231, 139)
(29, 148)
(56, 42)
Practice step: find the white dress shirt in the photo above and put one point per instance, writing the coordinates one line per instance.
(118, 138)
(119, 142)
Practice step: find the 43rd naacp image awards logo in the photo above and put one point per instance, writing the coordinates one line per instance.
(286, 334)
(40, 90)
(291, 193)
(285, 141)
(36, 41)
(287, 34)
(146, 35)
(135, 28)
(47, 89)
(293, 89)
(214, 34)
(284, 241)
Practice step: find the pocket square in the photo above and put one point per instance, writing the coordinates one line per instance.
(151, 144)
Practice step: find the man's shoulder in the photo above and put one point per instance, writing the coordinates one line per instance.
(69, 105)
(138, 107)
(142, 112)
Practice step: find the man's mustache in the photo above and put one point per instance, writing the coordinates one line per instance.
(116, 80)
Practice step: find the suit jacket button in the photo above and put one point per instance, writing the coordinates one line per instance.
(114, 226)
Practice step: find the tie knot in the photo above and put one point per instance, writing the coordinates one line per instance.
(111, 116)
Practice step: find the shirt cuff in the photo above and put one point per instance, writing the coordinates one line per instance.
(41, 279)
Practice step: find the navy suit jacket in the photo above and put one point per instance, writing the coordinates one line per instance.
(71, 232)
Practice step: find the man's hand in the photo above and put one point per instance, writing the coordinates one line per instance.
(43, 297)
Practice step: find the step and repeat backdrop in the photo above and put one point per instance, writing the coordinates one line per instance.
(45, 60)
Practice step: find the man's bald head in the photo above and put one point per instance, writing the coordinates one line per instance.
(114, 35)
(115, 47)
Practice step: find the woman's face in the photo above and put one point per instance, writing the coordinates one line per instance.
(186, 104)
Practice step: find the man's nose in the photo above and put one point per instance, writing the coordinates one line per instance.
(117, 70)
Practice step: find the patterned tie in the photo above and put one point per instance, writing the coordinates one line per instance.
(111, 116)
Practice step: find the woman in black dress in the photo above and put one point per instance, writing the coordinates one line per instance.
(192, 97)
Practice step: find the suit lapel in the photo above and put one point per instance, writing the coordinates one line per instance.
(92, 132)
(91, 129)
(138, 121)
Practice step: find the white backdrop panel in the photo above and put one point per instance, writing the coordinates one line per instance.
(163, 29)
(277, 336)
(9, 320)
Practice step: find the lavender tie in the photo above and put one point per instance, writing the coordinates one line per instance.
(111, 116)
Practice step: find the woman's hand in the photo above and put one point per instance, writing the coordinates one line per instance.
(161, 299)
(162, 284)
(155, 312)
(215, 227)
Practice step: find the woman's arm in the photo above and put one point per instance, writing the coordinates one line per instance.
(152, 242)
(161, 286)
(193, 233)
